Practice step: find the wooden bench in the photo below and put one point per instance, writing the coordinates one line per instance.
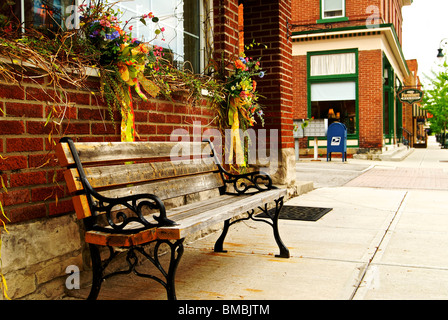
(120, 189)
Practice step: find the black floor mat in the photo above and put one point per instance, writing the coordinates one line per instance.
(298, 213)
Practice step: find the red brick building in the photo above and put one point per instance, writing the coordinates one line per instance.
(37, 203)
(349, 65)
(414, 117)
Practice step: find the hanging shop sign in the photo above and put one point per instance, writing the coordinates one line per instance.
(410, 96)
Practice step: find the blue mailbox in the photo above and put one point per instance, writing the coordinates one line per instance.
(337, 140)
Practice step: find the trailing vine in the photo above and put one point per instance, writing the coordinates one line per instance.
(3, 218)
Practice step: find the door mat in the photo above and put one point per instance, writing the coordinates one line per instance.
(298, 213)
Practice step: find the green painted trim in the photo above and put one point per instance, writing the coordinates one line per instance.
(335, 78)
(332, 20)
(399, 110)
(390, 88)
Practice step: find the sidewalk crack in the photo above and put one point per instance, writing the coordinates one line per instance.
(369, 275)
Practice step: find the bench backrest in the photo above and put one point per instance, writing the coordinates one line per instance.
(117, 169)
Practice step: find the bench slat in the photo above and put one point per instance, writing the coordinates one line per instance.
(91, 152)
(172, 188)
(116, 175)
(121, 240)
(207, 218)
(165, 189)
(190, 218)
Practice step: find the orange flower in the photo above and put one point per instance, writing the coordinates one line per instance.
(240, 65)
(143, 48)
(120, 31)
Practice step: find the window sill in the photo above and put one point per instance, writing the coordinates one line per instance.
(89, 71)
(331, 20)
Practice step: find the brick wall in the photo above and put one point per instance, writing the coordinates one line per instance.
(265, 23)
(370, 99)
(305, 13)
(225, 28)
(300, 92)
(34, 182)
(308, 12)
(300, 87)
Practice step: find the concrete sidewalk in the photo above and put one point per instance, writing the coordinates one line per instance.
(378, 242)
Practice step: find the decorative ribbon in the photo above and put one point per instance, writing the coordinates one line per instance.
(127, 111)
(235, 139)
(127, 119)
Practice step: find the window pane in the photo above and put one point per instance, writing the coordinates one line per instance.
(192, 33)
(181, 22)
(335, 101)
(335, 91)
(333, 8)
(336, 111)
(46, 14)
(332, 5)
(330, 64)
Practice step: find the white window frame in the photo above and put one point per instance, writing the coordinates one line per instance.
(332, 17)
(202, 32)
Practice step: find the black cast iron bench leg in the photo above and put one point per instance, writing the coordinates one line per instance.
(220, 242)
(98, 267)
(284, 251)
(97, 272)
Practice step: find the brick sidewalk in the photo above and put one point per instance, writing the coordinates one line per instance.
(402, 178)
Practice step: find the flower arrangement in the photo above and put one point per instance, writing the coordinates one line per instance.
(242, 101)
(123, 59)
(242, 92)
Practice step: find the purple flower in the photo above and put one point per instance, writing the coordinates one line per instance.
(94, 34)
(112, 36)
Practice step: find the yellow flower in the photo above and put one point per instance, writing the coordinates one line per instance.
(124, 72)
(140, 67)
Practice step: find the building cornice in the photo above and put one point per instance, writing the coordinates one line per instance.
(388, 30)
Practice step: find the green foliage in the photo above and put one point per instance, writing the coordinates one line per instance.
(435, 99)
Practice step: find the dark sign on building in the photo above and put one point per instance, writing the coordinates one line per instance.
(410, 95)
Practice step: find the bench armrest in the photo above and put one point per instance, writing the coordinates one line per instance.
(114, 208)
(255, 181)
(118, 220)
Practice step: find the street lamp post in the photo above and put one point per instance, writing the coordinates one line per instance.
(440, 53)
